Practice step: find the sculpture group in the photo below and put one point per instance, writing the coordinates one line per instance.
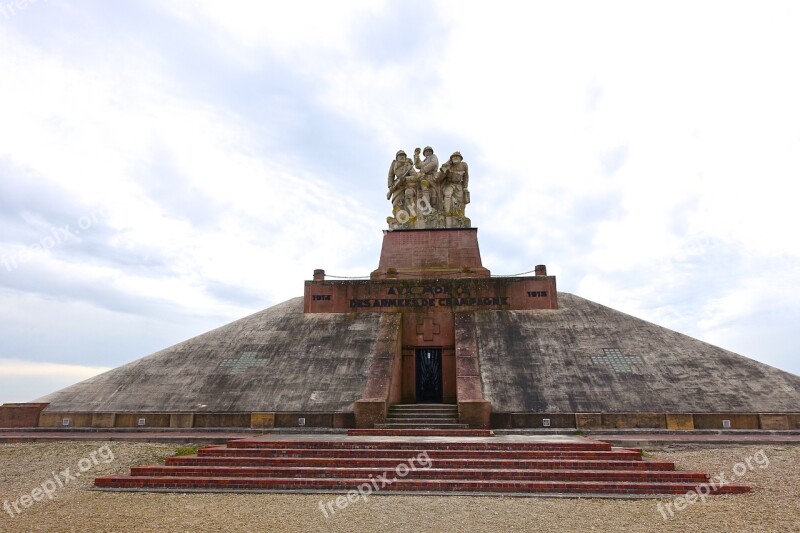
(426, 196)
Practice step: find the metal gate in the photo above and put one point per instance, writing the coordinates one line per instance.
(429, 375)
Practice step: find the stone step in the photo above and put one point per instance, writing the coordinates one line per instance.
(446, 486)
(421, 425)
(424, 412)
(393, 461)
(421, 432)
(421, 414)
(487, 444)
(452, 464)
(430, 406)
(587, 455)
(421, 421)
(510, 474)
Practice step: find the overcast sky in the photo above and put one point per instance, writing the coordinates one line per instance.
(168, 167)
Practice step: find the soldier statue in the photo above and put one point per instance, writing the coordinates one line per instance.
(428, 199)
(402, 178)
(454, 180)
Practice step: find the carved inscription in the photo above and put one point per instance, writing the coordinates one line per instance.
(437, 296)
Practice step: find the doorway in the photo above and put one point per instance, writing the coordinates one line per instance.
(429, 375)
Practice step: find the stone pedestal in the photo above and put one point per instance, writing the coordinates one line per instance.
(435, 253)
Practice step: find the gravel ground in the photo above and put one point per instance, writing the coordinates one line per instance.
(774, 504)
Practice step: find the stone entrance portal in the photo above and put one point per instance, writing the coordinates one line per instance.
(426, 282)
(429, 375)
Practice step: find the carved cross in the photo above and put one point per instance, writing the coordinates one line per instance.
(242, 364)
(617, 361)
(428, 328)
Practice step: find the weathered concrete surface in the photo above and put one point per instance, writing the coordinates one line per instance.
(473, 409)
(297, 362)
(383, 381)
(554, 362)
(583, 360)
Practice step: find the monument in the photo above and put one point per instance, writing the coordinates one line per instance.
(431, 326)
(425, 196)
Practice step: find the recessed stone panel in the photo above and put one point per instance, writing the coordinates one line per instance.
(588, 420)
(679, 421)
(103, 420)
(222, 420)
(634, 420)
(181, 420)
(262, 420)
(774, 422)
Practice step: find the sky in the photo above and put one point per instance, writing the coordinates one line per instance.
(169, 167)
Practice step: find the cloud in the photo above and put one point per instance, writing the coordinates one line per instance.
(645, 154)
(182, 181)
(23, 381)
(19, 368)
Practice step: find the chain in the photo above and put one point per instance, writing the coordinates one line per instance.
(441, 276)
(512, 275)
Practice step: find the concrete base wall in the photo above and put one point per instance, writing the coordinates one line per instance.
(195, 420)
(383, 385)
(66, 420)
(531, 420)
(717, 421)
(477, 413)
(104, 420)
(182, 420)
(680, 421)
(674, 421)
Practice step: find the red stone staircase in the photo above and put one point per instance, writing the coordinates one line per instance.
(431, 464)
(422, 415)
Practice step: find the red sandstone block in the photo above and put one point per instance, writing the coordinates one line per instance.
(428, 485)
(434, 453)
(370, 445)
(422, 432)
(431, 473)
(392, 462)
(406, 453)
